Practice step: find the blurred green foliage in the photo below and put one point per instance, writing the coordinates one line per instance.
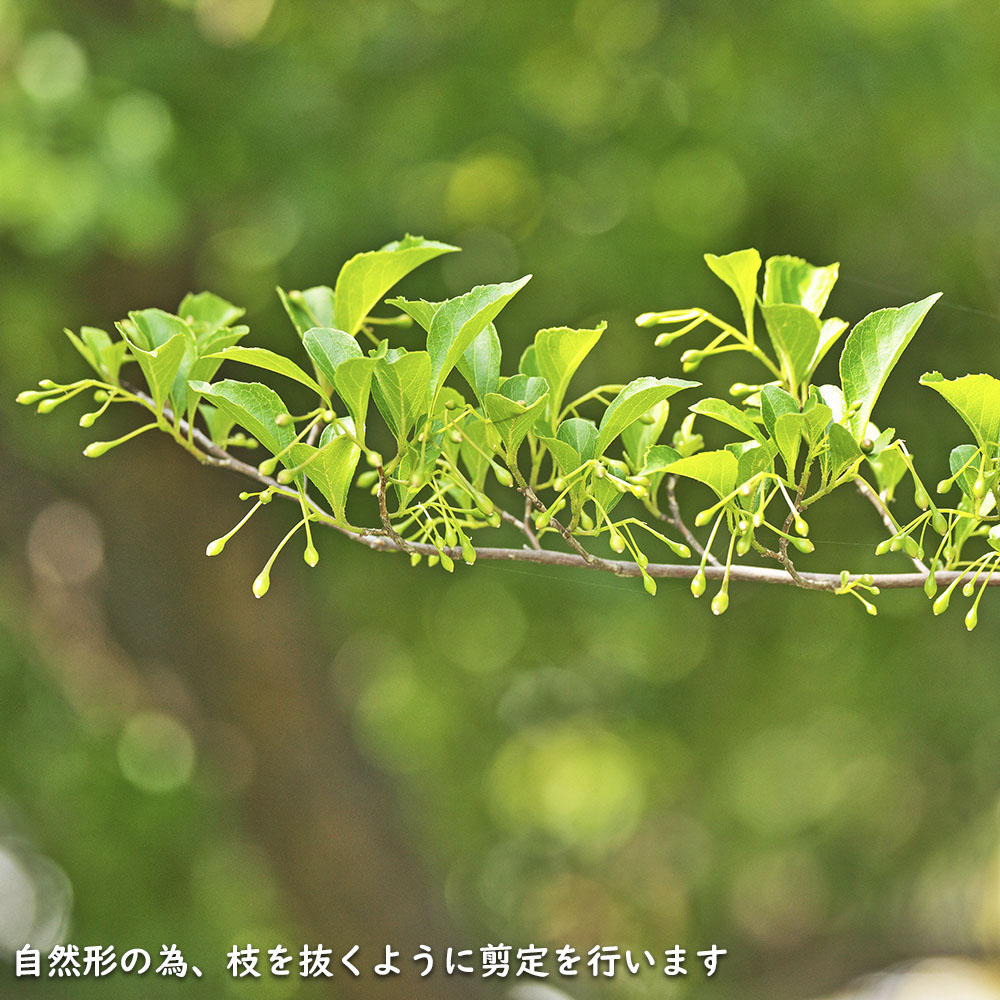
(545, 757)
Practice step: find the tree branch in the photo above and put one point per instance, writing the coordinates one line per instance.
(379, 540)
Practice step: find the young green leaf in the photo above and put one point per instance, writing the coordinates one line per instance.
(308, 308)
(419, 310)
(259, 357)
(161, 365)
(254, 407)
(581, 434)
(558, 354)
(870, 353)
(642, 434)
(515, 408)
(793, 281)
(795, 334)
(328, 348)
(976, 399)
(774, 401)
(726, 413)
(332, 466)
(400, 389)
(208, 311)
(716, 469)
(353, 382)
(841, 453)
(739, 270)
(366, 277)
(459, 321)
(635, 399)
(480, 364)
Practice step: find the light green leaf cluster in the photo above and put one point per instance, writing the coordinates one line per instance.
(471, 450)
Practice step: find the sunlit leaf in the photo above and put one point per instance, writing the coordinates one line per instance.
(870, 353)
(726, 413)
(976, 399)
(459, 321)
(739, 270)
(366, 277)
(793, 281)
(259, 357)
(480, 364)
(716, 469)
(558, 354)
(632, 402)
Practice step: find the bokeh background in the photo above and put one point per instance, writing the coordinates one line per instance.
(377, 755)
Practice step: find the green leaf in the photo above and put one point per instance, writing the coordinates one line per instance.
(308, 308)
(793, 281)
(331, 466)
(161, 365)
(581, 434)
(795, 334)
(515, 408)
(870, 353)
(635, 399)
(889, 468)
(716, 469)
(659, 458)
(476, 449)
(218, 422)
(726, 413)
(353, 382)
(419, 310)
(99, 351)
(366, 277)
(208, 311)
(254, 407)
(259, 357)
(774, 401)
(203, 369)
(830, 332)
(459, 321)
(976, 399)
(739, 270)
(787, 434)
(153, 327)
(961, 458)
(754, 460)
(400, 388)
(642, 434)
(566, 457)
(558, 354)
(480, 364)
(528, 363)
(328, 348)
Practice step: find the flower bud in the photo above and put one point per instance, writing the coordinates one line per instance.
(503, 476)
(373, 458)
(214, 548)
(310, 555)
(703, 517)
(804, 545)
(447, 563)
(930, 585)
(968, 588)
(30, 396)
(261, 584)
(940, 605)
(267, 467)
(285, 477)
(698, 583)
(650, 584)
(415, 558)
(972, 618)
(720, 603)
(617, 542)
(98, 448)
(284, 420)
(801, 527)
